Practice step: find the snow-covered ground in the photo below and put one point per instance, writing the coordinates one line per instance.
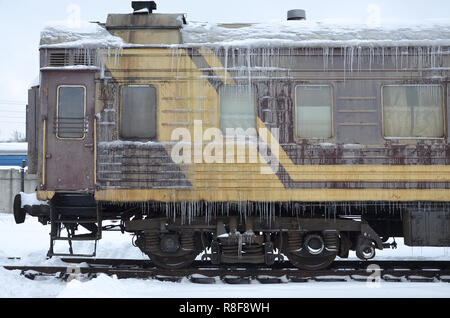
(30, 241)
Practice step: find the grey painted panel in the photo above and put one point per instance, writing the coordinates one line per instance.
(69, 162)
(32, 129)
(426, 227)
(358, 133)
(139, 112)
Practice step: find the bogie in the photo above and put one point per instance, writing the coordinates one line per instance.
(230, 241)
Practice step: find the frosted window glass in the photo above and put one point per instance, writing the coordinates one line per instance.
(70, 121)
(237, 107)
(138, 112)
(413, 111)
(313, 111)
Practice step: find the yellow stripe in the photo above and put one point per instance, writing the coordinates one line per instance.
(217, 66)
(358, 173)
(263, 195)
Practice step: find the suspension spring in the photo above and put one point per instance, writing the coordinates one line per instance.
(187, 241)
(229, 249)
(295, 241)
(152, 241)
(253, 249)
(331, 239)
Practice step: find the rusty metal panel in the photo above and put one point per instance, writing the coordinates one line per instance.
(152, 28)
(447, 109)
(33, 129)
(161, 20)
(426, 227)
(69, 163)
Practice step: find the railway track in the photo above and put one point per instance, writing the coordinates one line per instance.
(283, 272)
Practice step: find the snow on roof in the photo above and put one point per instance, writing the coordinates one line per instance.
(275, 34)
(84, 35)
(71, 68)
(316, 34)
(13, 148)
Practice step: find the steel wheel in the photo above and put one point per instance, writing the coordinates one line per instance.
(311, 262)
(172, 262)
(169, 251)
(308, 252)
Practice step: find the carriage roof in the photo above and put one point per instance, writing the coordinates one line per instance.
(275, 34)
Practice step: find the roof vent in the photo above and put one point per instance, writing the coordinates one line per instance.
(296, 14)
(59, 59)
(140, 6)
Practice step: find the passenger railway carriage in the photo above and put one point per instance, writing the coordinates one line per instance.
(252, 143)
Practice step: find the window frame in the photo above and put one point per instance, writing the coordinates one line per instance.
(57, 111)
(156, 137)
(444, 113)
(255, 107)
(299, 138)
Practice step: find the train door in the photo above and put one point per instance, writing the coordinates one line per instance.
(69, 159)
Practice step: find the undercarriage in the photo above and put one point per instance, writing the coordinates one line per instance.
(308, 243)
(310, 236)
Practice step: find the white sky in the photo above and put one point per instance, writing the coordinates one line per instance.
(22, 20)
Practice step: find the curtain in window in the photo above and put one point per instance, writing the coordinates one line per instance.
(413, 111)
(314, 112)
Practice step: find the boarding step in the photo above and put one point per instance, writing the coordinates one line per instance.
(80, 237)
(71, 253)
(76, 221)
(60, 222)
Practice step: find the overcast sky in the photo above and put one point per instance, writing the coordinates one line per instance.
(22, 20)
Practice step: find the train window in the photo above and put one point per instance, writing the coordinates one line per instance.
(71, 108)
(314, 111)
(138, 115)
(237, 107)
(414, 111)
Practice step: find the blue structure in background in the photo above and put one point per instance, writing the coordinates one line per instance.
(13, 160)
(13, 153)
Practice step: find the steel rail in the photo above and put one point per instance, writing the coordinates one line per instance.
(283, 272)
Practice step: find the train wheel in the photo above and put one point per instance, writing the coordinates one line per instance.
(19, 212)
(311, 263)
(172, 262)
(169, 251)
(308, 252)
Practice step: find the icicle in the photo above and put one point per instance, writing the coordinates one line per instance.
(325, 54)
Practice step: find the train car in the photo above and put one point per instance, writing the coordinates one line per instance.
(249, 143)
(12, 154)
